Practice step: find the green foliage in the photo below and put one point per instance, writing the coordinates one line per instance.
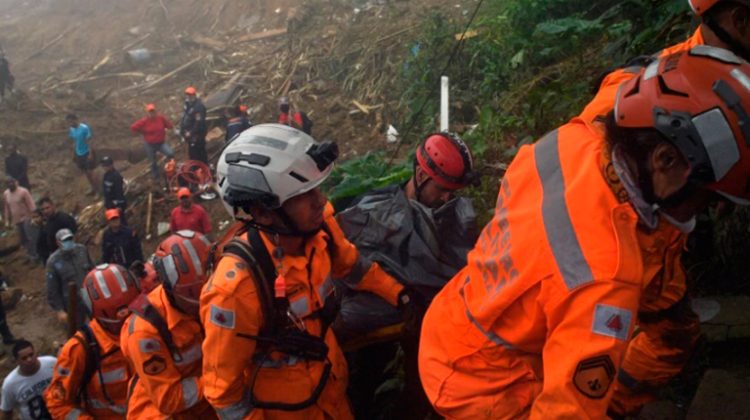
(357, 176)
(533, 65)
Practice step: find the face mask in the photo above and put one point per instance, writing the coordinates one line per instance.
(67, 245)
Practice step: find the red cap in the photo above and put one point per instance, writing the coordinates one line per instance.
(190, 90)
(183, 192)
(150, 107)
(243, 109)
(112, 214)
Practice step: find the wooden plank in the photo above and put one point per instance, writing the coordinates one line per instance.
(261, 35)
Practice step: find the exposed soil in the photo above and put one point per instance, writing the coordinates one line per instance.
(72, 56)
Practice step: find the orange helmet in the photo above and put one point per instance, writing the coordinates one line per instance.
(190, 90)
(107, 291)
(182, 264)
(702, 6)
(700, 101)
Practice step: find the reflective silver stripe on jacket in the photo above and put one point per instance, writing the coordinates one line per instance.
(489, 334)
(190, 355)
(115, 375)
(189, 391)
(73, 414)
(102, 405)
(325, 289)
(235, 411)
(300, 306)
(561, 237)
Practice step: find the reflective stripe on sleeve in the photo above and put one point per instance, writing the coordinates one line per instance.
(115, 375)
(561, 235)
(189, 391)
(489, 334)
(73, 414)
(238, 410)
(325, 289)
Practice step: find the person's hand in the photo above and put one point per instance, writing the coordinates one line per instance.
(412, 307)
(62, 316)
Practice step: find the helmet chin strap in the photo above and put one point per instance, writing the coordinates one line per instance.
(289, 229)
(291, 226)
(726, 38)
(418, 187)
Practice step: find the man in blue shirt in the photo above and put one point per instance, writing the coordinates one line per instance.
(81, 134)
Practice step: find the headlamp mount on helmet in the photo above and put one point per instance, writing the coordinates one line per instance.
(323, 154)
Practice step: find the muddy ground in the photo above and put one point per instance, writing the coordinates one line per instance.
(71, 56)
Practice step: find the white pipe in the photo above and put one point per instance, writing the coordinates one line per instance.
(444, 103)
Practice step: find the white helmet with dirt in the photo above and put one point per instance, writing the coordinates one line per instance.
(271, 163)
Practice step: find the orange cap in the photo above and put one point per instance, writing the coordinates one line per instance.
(243, 109)
(112, 214)
(150, 107)
(190, 90)
(183, 192)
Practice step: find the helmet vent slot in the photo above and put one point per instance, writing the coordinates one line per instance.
(669, 91)
(298, 177)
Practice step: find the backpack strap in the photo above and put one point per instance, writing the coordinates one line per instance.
(93, 363)
(143, 308)
(254, 253)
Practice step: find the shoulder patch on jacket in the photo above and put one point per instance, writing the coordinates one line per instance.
(611, 321)
(221, 317)
(149, 345)
(593, 376)
(154, 366)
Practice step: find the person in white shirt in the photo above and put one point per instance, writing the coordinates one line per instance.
(24, 386)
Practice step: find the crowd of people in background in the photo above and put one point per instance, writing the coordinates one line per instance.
(531, 317)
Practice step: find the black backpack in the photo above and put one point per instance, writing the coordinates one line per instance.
(93, 364)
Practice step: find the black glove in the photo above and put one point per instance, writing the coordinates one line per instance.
(412, 306)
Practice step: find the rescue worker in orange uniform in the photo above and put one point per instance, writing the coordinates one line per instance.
(162, 338)
(649, 360)
(538, 323)
(269, 351)
(91, 375)
(724, 24)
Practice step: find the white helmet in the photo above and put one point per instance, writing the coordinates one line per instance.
(268, 164)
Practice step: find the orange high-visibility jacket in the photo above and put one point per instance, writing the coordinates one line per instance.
(650, 360)
(230, 308)
(604, 101)
(164, 386)
(61, 396)
(537, 324)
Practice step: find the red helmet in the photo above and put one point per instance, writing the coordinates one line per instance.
(700, 101)
(447, 160)
(182, 264)
(700, 7)
(107, 291)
